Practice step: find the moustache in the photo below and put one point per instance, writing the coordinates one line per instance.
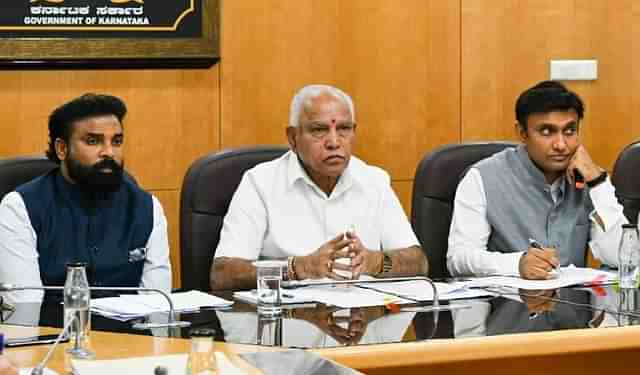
(107, 164)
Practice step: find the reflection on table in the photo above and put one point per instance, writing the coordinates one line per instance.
(325, 327)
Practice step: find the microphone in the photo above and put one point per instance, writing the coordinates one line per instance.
(172, 321)
(39, 369)
(434, 307)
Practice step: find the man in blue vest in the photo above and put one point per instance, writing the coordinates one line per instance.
(524, 211)
(87, 210)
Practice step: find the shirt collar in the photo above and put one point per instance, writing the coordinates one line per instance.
(295, 172)
(535, 172)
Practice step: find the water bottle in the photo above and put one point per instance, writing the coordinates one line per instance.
(202, 359)
(76, 306)
(629, 257)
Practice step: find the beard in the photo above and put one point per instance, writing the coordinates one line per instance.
(92, 178)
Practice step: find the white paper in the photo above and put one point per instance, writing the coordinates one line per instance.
(176, 364)
(225, 366)
(422, 291)
(346, 296)
(379, 293)
(131, 306)
(568, 276)
(286, 297)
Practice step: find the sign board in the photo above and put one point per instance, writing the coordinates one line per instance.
(109, 33)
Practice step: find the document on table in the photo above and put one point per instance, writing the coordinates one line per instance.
(422, 291)
(570, 275)
(346, 296)
(130, 306)
(175, 364)
(289, 300)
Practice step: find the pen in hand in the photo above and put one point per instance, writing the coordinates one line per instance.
(555, 272)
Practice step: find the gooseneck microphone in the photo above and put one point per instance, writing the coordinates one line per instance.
(39, 369)
(172, 322)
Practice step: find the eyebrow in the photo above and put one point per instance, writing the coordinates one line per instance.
(89, 134)
(549, 125)
(338, 123)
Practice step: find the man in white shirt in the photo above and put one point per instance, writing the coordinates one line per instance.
(315, 204)
(87, 210)
(547, 189)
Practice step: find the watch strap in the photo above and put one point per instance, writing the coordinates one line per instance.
(598, 180)
(387, 263)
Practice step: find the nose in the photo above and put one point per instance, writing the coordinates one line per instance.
(332, 141)
(107, 151)
(559, 142)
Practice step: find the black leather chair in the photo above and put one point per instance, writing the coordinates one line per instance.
(207, 190)
(626, 179)
(434, 188)
(16, 171)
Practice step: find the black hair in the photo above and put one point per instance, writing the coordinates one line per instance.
(545, 97)
(88, 105)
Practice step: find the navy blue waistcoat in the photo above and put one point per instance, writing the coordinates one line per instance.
(99, 229)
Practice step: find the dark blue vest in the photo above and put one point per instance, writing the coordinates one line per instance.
(99, 229)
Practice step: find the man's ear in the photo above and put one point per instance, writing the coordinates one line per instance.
(62, 150)
(521, 131)
(291, 137)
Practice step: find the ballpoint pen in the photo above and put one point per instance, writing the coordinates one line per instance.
(555, 272)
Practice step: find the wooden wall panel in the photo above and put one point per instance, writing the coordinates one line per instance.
(400, 64)
(402, 68)
(270, 49)
(506, 48)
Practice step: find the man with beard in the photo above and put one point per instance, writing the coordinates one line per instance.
(87, 210)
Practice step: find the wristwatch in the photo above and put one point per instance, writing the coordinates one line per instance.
(598, 180)
(387, 263)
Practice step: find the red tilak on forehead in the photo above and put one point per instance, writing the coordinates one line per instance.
(333, 121)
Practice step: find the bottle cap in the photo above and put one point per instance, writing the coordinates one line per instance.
(202, 332)
(76, 264)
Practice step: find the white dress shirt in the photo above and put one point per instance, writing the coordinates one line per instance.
(19, 254)
(469, 232)
(277, 211)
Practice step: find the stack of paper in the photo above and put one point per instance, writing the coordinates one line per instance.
(289, 300)
(420, 290)
(131, 306)
(174, 364)
(345, 296)
(568, 276)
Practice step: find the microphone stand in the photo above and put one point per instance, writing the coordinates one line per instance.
(172, 322)
(39, 369)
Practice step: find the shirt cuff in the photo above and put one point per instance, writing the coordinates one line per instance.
(510, 264)
(605, 204)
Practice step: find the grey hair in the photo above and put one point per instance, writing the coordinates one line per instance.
(303, 98)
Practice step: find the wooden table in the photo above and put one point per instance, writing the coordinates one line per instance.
(113, 346)
(584, 351)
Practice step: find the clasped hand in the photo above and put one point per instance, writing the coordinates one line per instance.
(321, 263)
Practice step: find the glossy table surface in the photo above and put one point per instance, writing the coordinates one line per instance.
(321, 326)
(556, 330)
